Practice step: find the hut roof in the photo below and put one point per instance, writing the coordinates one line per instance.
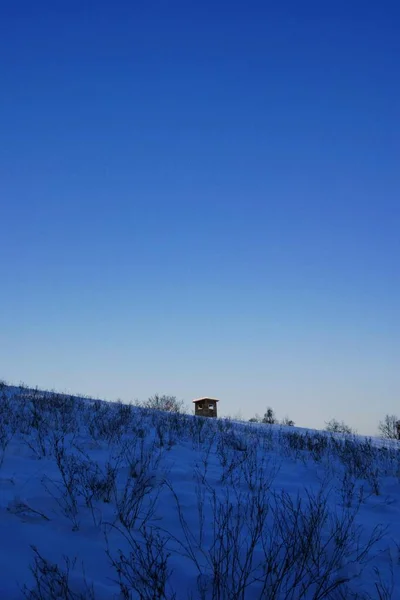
(207, 399)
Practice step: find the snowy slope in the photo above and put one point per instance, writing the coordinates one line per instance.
(101, 500)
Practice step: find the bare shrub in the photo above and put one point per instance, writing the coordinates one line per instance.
(164, 403)
(65, 491)
(53, 582)
(225, 563)
(108, 422)
(317, 444)
(165, 434)
(141, 458)
(203, 464)
(132, 499)
(358, 456)
(7, 425)
(335, 426)
(258, 472)
(200, 431)
(267, 438)
(37, 439)
(384, 588)
(293, 443)
(20, 507)
(179, 424)
(349, 491)
(130, 502)
(361, 460)
(282, 547)
(255, 419)
(312, 552)
(97, 485)
(231, 451)
(36, 426)
(144, 569)
(63, 412)
(124, 413)
(41, 413)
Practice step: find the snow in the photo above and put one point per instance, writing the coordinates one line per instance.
(105, 491)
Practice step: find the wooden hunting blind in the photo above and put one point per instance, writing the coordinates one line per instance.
(205, 407)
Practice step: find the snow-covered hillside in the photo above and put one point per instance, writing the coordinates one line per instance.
(104, 501)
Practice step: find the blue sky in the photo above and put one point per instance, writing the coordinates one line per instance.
(203, 199)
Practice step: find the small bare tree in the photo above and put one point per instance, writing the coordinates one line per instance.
(389, 427)
(269, 417)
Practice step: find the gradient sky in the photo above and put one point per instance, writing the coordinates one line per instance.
(203, 198)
